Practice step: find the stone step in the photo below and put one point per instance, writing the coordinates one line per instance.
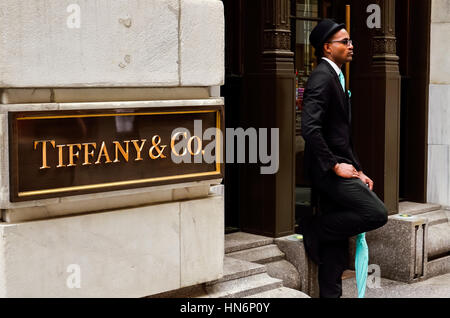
(186, 292)
(447, 211)
(261, 255)
(234, 268)
(286, 272)
(414, 208)
(438, 240)
(243, 287)
(239, 241)
(435, 217)
(439, 266)
(282, 292)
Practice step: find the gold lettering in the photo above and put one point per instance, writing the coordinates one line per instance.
(103, 152)
(138, 148)
(73, 154)
(60, 156)
(199, 146)
(172, 143)
(44, 151)
(88, 154)
(156, 140)
(123, 152)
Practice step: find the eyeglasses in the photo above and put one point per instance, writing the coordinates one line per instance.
(347, 42)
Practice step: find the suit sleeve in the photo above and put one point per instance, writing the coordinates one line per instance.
(315, 103)
(357, 163)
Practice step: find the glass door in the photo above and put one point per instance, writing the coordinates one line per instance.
(305, 15)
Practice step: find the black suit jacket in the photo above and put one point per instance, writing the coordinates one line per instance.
(326, 123)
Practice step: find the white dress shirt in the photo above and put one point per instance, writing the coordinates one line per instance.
(334, 65)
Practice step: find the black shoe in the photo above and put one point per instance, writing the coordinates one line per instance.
(310, 239)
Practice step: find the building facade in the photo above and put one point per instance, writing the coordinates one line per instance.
(244, 60)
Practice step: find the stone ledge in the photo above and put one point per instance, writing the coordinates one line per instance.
(90, 95)
(239, 241)
(261, 255)
(102, 202)
(435, 217)
(185, 292)
(234, 269)
(413, 208)
(243, 287)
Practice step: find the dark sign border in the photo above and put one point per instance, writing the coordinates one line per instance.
(14, 117)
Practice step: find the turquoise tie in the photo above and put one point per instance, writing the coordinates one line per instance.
(342, 80)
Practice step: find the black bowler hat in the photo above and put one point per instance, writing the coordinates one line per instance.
(323, 31)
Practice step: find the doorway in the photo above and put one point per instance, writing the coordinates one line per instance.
(413, 48)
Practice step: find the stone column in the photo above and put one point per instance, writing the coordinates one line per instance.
(377, 88)
(279, 74)
(386, 104)
(268, 208)
(387, 83)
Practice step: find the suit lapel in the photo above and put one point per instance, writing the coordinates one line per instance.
(349, 107)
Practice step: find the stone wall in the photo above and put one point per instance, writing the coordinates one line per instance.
(103, 43)
(439, 106)
(123, 253)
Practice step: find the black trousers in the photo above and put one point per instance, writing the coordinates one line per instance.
(347, 207)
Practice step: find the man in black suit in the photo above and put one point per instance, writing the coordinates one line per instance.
(347, 204)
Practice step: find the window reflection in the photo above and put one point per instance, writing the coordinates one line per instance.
(305, 62)
(307, 9)
(305, 14)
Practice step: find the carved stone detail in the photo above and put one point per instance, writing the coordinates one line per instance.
(277, 26)
(384, 45)
(277, 40)
(384, 42)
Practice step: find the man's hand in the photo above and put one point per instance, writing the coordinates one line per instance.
(366, 179)
(345, 170)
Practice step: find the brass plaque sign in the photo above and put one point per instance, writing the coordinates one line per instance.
(63, 153)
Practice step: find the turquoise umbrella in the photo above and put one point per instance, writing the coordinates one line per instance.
(361, 263)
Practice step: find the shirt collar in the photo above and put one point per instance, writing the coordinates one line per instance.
(335, 67)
